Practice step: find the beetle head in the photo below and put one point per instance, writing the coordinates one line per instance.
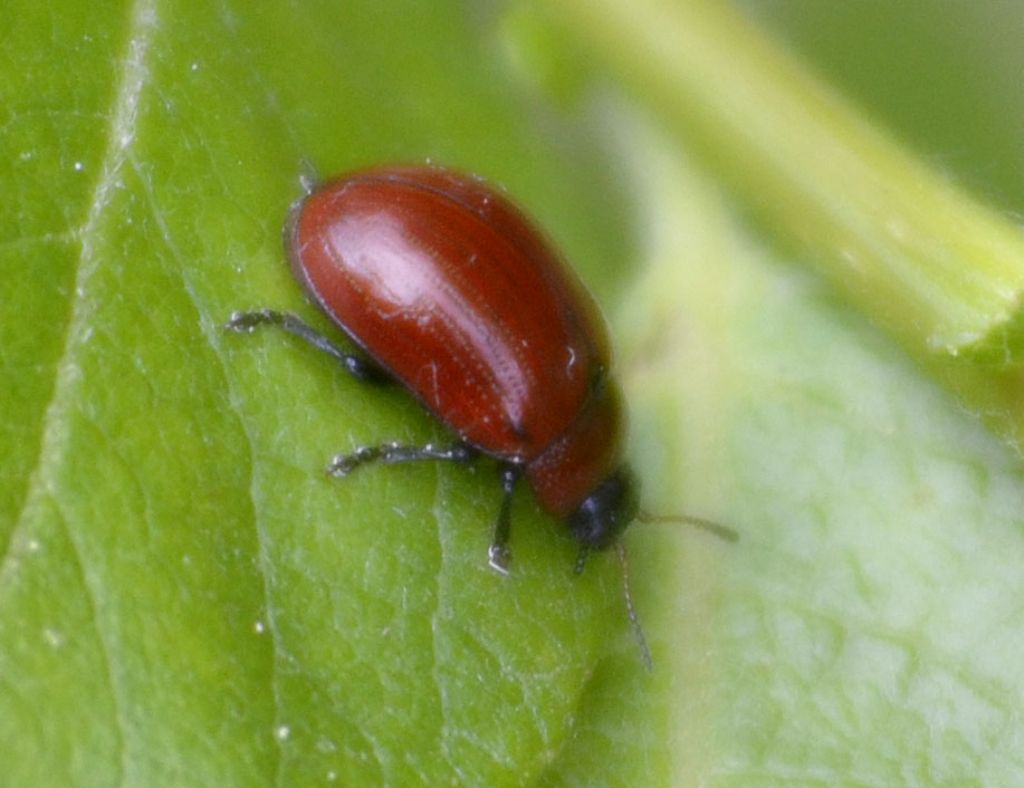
(604, 514)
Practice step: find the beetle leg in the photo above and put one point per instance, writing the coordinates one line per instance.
(498, 553)
(246, 322)
(394, 453)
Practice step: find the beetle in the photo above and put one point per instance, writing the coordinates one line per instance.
(446, 287)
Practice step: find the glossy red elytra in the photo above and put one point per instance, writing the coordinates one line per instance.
(448, 289)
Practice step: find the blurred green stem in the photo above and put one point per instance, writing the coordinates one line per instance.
(919, 255)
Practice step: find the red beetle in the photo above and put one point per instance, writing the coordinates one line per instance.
(448, 289)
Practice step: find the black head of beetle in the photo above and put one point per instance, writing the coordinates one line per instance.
(604, 514)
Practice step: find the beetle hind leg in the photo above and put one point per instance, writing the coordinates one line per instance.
(394, 453)
(362, 368)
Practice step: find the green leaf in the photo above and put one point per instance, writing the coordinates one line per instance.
(186, 599)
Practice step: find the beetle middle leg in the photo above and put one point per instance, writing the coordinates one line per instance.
(393, 453)
(362, 368)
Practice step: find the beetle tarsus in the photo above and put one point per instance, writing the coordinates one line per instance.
(247, 322)
(498, 556)
(394, 453)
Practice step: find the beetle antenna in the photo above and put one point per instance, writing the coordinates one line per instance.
(634, 619)
(723, 532)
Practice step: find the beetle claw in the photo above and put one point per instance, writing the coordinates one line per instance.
(498, 556)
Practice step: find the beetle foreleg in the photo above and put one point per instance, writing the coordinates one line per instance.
(498, 554)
